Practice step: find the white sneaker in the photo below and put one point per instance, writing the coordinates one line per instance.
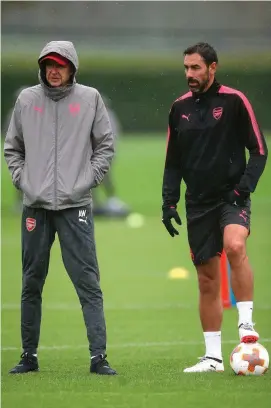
(205, 365)
(247, 333)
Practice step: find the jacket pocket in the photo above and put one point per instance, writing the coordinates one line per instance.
(93, 182)
(25, 186)
(84, 184)
(16, 177)
(21, 180)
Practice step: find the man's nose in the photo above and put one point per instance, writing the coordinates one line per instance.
(189, 74)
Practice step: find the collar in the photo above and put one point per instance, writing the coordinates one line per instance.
(214, 88)
(56, 93)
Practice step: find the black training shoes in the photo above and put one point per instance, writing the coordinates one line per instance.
(27, 364)
(99, 365)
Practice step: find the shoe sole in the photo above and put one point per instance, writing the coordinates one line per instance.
(250, 338)
(25, 372)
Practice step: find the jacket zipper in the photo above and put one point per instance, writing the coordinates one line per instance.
(202, 108)
(55, 206)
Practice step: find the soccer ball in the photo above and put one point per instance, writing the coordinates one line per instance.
(249, 359)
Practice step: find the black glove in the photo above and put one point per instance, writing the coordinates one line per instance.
(236, 197)
(168, 214)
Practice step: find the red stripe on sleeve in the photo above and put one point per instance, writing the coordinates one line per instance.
(256, 129)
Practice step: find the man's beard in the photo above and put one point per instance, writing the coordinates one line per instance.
(198, 87)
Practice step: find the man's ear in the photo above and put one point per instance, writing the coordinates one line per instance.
(213, 67)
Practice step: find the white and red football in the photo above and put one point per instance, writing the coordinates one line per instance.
(249, 359)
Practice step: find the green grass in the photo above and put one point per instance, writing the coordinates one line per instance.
(121, 62)
(152, 321)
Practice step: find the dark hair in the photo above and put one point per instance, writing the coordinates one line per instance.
(205, 50)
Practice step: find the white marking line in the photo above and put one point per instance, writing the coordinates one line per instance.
(131, 345)
(158, 306)
(76, 306)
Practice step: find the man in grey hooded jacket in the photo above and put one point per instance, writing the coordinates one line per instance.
(59, 145)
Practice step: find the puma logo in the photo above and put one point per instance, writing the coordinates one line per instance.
(186, 117)
(243, 214)
(82, 220)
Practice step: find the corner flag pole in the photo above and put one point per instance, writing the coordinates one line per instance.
(227, 295)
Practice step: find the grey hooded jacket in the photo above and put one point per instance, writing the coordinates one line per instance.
(59, 143)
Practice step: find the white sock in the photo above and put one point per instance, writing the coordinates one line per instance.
(213, 344)
(245, 310)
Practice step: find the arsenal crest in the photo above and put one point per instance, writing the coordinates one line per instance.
(30, 224)
(217, 113)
